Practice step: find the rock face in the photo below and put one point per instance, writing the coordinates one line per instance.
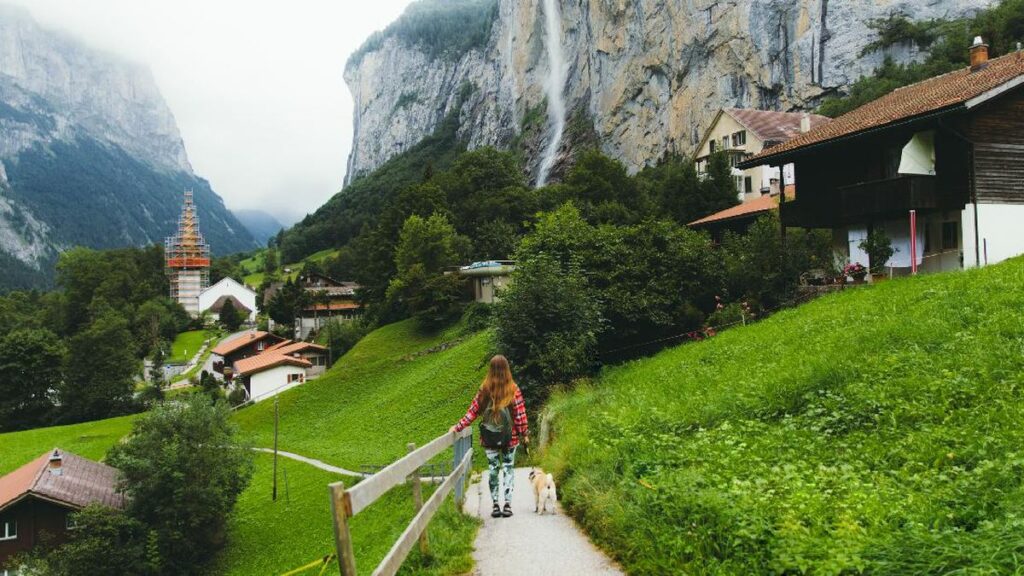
(89, 152)
(645, 76)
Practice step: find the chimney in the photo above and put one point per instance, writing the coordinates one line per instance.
(805, 123)
(56, 463)
(979, 54)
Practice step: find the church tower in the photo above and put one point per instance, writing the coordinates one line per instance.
(188, 259)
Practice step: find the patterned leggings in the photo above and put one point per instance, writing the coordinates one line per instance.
(501, 460)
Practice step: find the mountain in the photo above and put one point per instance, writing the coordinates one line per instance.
(90, 154)
(261, 225)
(638, 78)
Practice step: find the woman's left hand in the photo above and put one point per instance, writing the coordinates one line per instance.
(454, 428)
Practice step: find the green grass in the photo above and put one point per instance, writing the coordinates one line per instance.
(267, 537)
(186, 345)
(89, 439)
(376, 398)
(253, 266)
(877, 431)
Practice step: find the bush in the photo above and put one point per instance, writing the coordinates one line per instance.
(879, 249)
(105, 541)
(237, 396)
(342, 336)
(478, 316)
(182, 472)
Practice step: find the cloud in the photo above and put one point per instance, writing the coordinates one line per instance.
(256, 86)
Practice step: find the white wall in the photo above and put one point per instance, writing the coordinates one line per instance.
(1000, 232)
(229, 287)
(269, 383)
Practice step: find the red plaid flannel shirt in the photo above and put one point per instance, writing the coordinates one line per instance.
(520, 426)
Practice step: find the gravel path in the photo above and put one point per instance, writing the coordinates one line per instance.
(528, 543)
(312, 462)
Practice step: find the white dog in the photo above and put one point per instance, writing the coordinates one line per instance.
(543, 490)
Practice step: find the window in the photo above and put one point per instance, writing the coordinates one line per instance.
(261, 345)
(950, 237)
(296, 378)
(711, 146)
(738, 180)
(739, 138)
(748, 184)
(9, 530)
(725, 142)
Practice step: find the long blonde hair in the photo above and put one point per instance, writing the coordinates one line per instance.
(498, 389)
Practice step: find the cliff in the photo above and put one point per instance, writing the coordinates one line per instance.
(90, 153)
(640, 77)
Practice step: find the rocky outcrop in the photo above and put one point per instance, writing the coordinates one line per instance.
(90, 153)
(646, 76)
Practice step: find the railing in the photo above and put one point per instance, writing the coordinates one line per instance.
(346, 503)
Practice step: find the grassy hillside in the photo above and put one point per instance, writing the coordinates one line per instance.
(253, 266)
(89, 439)
(876, 431)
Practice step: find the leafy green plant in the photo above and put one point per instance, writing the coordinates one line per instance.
(879, 249)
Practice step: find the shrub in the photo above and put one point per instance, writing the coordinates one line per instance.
(478, 316)
(879, 249)
(105, 541)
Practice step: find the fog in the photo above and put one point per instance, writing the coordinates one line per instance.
(256, 86)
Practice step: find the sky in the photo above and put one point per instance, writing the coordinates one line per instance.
(256, 86)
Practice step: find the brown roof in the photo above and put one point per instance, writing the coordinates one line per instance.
(280, 344)
(266, 361)
(296, 347)
(225, 348)
(218, 304)
(960, 89)
(770, 126)
(81, 482)
(757, 206)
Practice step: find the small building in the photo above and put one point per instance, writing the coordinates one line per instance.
(489, 278)
(949, 150)
(268, 374)
(244, 346)
(315, 354)
(38, 501)
(228, 290)
(329, 300)
(742, 133)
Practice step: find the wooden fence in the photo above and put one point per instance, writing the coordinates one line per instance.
(346, 503)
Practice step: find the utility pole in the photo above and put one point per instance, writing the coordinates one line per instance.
(275, 450)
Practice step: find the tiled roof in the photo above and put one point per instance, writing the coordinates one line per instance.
(225, 348)
(80, 483)
(760, 205)
(770, 126)
(218, 304)
(280, 344)
(295, 347)
(948, 91)
(266, 361)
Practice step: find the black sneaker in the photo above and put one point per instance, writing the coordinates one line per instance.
(507, 511)
(496, 512)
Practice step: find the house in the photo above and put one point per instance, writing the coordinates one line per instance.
(943, 157)
(742, 133)
(329, 299)
(279, 368)
(228, 290)
(38, 501)
(488, 278)
(246, 345)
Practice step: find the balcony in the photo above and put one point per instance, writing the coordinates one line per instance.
(866, 201)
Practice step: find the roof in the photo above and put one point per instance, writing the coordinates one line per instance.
(296, 347)
(961, 89)
(218, 304)
(772, 126)
(81, 482)
(346, 305)
(230, 280)
(266, 361)
(760, 205)
(225, 348)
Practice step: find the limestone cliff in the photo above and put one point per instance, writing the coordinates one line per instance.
(643, 76)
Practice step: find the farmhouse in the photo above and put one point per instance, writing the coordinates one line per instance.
(228, 290)
(38, 500)
(329, 299)
(488, 278)
(247, 345)
(279, 368)
(943, 157)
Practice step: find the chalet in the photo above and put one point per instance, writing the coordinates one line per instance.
(279, 368)
(741, 134)
(943, 157)
(488, 278)
(228, 290)
(38, 501)
(246, 345)
(329, 299)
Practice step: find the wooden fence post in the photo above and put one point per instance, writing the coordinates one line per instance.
(342, 536)
(417, 498)
(459, 449)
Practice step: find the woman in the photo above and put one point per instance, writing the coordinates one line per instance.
(500, 403)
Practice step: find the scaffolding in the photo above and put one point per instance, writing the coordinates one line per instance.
(187, 259)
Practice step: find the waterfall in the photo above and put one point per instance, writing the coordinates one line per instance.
(554, 87)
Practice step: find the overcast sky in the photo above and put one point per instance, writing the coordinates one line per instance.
(256, 86)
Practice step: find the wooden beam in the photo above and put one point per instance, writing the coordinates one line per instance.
(369, 490)
(417, 502)
(342, 536)
(393, 561)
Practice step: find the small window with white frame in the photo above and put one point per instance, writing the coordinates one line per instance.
(8, 530)
(739, 138)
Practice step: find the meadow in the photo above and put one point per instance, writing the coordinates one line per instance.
(873, 431)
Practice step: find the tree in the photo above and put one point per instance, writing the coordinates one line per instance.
(182, 471)
(30, 374)
(270, 261)
(425, 248)
(100, 368)
(287, 302)
(230, 316)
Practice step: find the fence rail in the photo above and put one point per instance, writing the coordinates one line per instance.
(346, 503)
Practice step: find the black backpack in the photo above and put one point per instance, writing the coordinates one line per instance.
(496, 432)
